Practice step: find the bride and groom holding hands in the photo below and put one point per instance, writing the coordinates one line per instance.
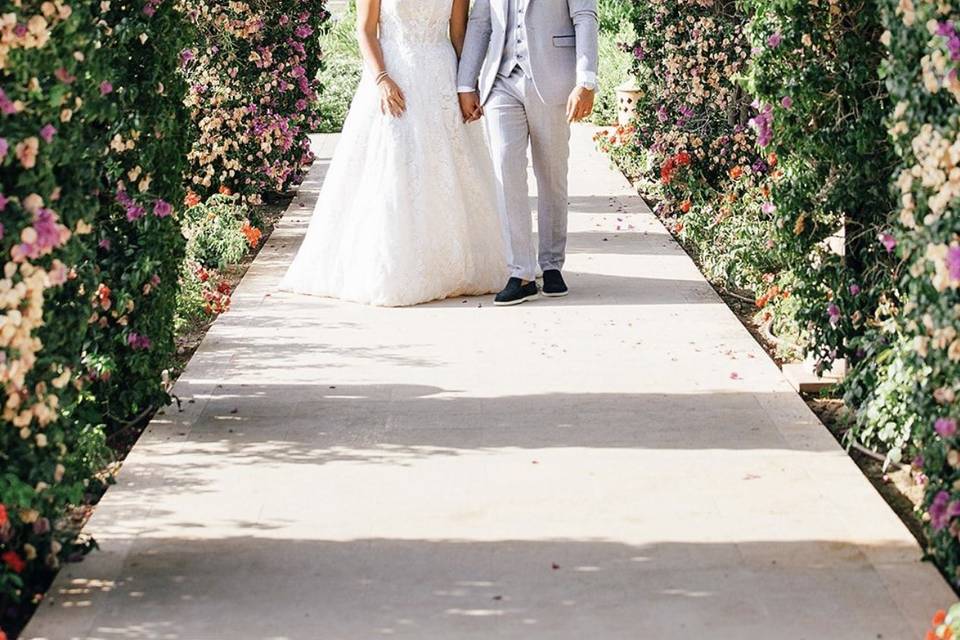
(419, 204)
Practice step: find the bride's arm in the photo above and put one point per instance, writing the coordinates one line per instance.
(458, 24)
(368, 36)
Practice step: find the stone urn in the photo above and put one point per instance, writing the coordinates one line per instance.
(629, 95)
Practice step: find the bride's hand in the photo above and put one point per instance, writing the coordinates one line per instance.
(391, 98)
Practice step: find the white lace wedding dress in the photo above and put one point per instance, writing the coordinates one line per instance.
(408, 211)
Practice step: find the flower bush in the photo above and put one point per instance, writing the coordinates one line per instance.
(80, 117)
(694, 151)
(924, 124)
(252, 84)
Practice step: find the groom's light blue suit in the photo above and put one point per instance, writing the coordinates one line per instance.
(525, 57)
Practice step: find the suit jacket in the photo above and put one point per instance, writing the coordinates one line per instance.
(562, 43)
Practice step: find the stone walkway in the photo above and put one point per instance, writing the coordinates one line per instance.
(626, 463)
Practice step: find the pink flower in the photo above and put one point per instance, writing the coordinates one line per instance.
(4, 147)
(162, 209)
(64, 76)
(854, 289)
(138, 342)
(953, 262)
(6, 104)
(946, 427)
(888, 242)
(786, 102)
(3, 202)
(768, 208)
(775, 40)
(833, 312)
(48, 132)
(105, 88)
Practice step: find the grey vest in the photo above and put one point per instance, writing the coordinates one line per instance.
(515, 47)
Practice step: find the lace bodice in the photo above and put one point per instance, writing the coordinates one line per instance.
(415, 21)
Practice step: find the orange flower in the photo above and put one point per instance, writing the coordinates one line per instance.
(191, 199)
(939, 617)
(103, 296)
(685, 206)
(225, 190)
(772, 159)
(736, 172)
(252, 233)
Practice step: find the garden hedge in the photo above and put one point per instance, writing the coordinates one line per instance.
(252, 75)
(89, 168)
(924, 349)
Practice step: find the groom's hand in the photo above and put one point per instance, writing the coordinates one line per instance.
(470, 106)
(580, 104)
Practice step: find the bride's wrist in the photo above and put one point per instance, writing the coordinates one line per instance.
(383, 75)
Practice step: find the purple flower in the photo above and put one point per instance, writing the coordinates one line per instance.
(186, 56)
(938, 510)
(6, 104)
(105, 88)
(47, 133)
(833, 312)
(888, 242)
(774, 40)
(639, 53)
(763, 124)
(134, 212)
(162, 209)
(41, 526)
(138, 342)
(303, 31)
(946, 427)
(45, 224)
(854, 289)
(953, 262)
(149, 10)
(104, 244)
(787, 102)
(4, 146)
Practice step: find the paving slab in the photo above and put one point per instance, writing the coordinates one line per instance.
(624, 463)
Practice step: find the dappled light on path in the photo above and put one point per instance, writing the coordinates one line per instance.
(625, 463)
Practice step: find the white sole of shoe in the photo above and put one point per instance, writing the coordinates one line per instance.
(555, 295)
(514, 303)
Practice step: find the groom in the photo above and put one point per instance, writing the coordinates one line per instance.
(531, 67)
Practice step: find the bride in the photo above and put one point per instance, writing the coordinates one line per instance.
(407, 213)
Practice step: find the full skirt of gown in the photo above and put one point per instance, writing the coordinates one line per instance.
(408, 211)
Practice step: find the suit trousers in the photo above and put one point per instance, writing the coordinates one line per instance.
(517, 117)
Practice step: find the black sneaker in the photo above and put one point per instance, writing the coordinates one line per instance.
(553, 284)
(516, 293)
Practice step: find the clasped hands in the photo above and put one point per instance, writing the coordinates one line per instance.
(579, 105)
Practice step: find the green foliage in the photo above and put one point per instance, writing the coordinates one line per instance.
(214, 231)
(252, 80)
(920, 392)
(89, 117)
(340, 76)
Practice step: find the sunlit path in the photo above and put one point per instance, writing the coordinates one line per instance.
(625, 463)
